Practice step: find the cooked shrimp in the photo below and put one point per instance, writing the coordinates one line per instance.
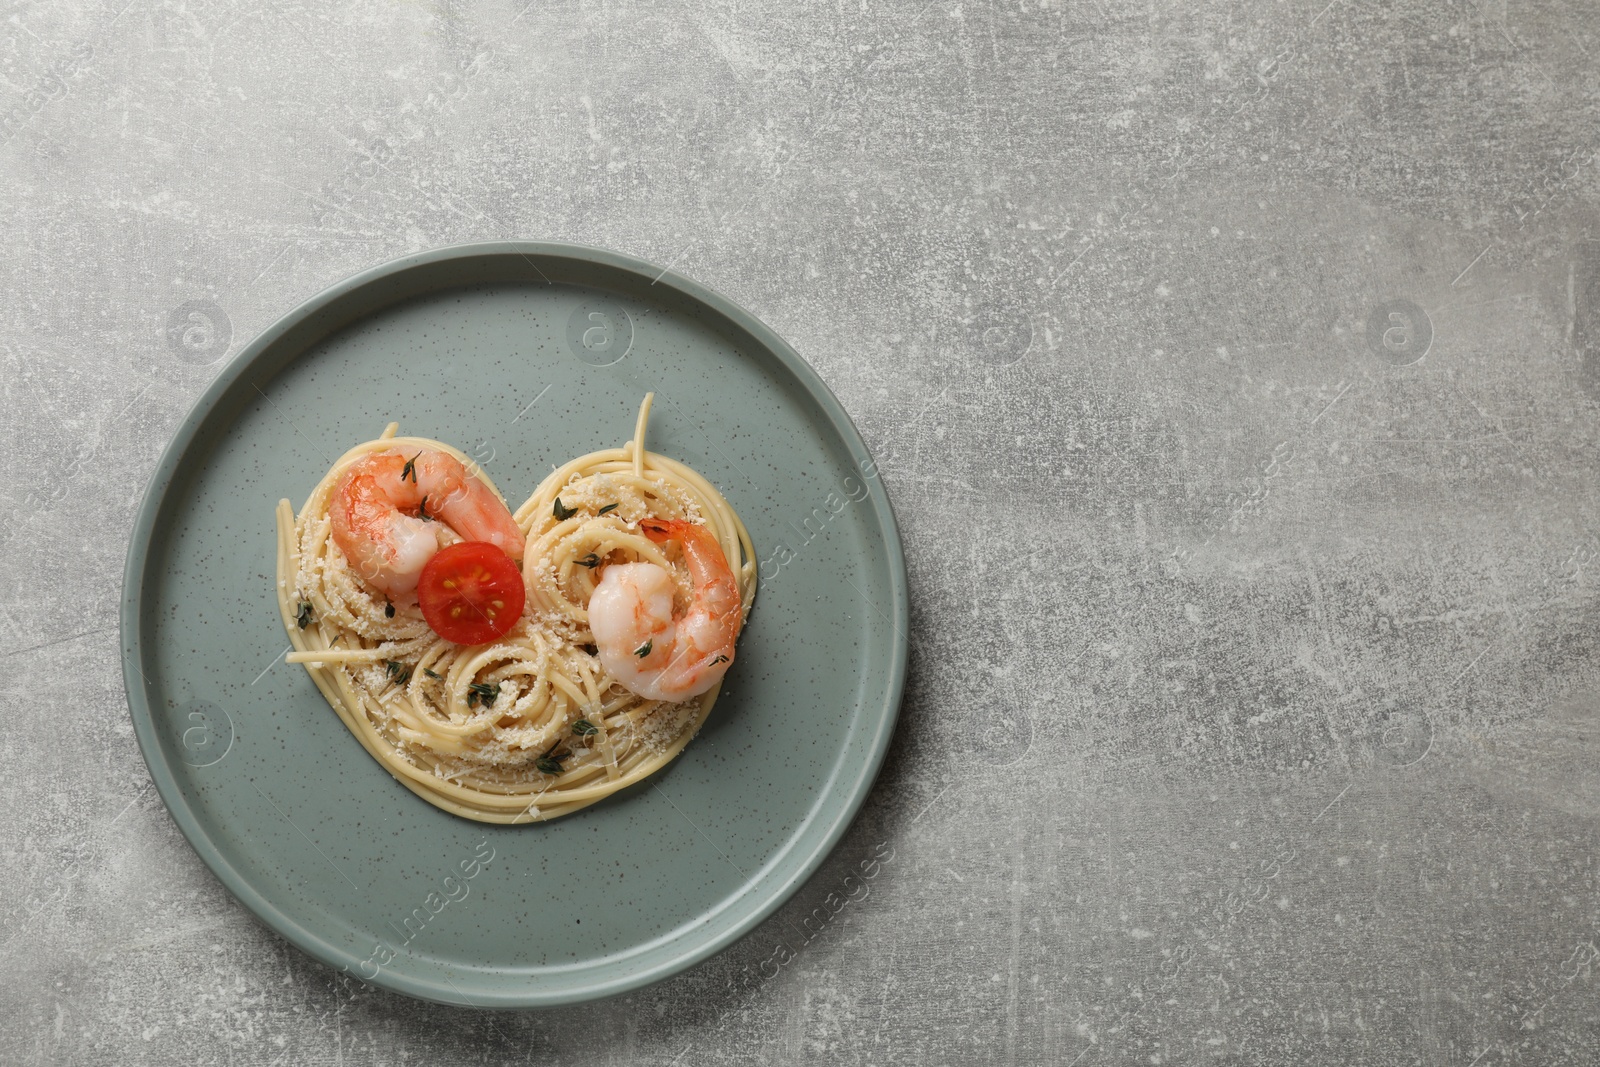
(378, 508)
(655, 655)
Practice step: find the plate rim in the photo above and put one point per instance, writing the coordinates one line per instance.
(132, 641)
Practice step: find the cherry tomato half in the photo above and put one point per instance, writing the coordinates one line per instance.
(471, 593)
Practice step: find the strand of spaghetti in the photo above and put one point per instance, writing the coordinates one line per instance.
(637, 444)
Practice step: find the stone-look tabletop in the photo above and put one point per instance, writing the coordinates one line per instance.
(1233, 370)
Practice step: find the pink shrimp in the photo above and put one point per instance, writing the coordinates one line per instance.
(378, 508)
(647, 649)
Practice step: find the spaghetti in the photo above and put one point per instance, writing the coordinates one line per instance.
(530, 726)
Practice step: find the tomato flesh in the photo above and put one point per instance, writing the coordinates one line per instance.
(471, 593)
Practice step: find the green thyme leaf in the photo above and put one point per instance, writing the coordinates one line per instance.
(591, 561)
(644, 650)
(430, 674)
(550, 763)
(422, 511)
(562, 512)
(398, 672)
(303, 616)
(410, 469)
(608, 507)
(585, 728)
(388, 611)
(719, 659)
(482, 692)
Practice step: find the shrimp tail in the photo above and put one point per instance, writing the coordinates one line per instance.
(708, 565)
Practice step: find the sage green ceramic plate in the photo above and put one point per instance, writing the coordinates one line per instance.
(523, 355)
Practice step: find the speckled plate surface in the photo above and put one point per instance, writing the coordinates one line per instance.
(523, 355)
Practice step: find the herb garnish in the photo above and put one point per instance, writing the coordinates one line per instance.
(719, 659)
(422, 511)
(550, 763)
(410, 469)
(303, 616)
(388, 610)
(591, 561)
(398, 672)
(430, 674)
(484, 692)
(644, 650)
(562, 512)
(608, 507)
(585, 728)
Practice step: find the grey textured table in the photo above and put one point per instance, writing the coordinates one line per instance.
(1233, 369)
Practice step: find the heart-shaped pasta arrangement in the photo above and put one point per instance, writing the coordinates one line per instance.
(514, 667)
